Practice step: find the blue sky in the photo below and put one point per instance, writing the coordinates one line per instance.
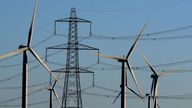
(110, 19)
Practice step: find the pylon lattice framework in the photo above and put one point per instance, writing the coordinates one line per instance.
(72, 88)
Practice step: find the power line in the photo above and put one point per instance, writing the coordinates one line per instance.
(115, 67)
(99, 95)
(34, 46)
(108, 66)
(30, 86)
(18, 64)
(112, 67)
(30, 104)
(147, 36)
(169, 97)
(173, 97)
(136, 9)
(36, 31)
(43, 41)
(17, 75)
(16, 98)
(125, 38)
(40, 89)
(10, 78)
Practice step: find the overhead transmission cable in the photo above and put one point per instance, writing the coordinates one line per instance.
(116, 38)
(108, 66)
(147, 36)
(157, 65)
(36, 31)
(124, 38)
(17, 75)
(30, 86)
(172, 97)
(36, 45)
(33, 92)
(112, 67)
(97, 95)
(16, 98)
(18, 64)
(168, 3)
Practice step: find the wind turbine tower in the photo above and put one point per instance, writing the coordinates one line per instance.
(72, 88)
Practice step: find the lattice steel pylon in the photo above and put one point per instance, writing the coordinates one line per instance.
(72, 97)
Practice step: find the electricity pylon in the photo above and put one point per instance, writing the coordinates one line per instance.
(72, 88)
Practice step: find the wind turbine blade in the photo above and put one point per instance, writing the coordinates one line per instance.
(48, 88)
(111, 57)
(146, 61)
(134, 78)
(135, 92)
(116, 98)
(17, 51)
(41, 61)
(55, 81)
(167, 72)
(56, 96)
(135, 42)
(154, 106)
(153, 101)
(30, 34)
(163, 74)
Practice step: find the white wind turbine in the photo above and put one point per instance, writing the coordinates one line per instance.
(125, 61)
(25, 49)
(52, 91)
(154, 86)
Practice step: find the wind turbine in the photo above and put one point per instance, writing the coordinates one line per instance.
(125, 61)
(24, 49)
(52, 91)
(154, 86)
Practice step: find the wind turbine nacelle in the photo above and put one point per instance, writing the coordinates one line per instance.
(21, 46)
(154, 76)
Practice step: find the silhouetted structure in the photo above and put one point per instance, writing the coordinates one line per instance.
(72, 87)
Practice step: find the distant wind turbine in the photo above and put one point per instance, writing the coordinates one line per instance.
(125, 61)
(24, 49)
(52, 91)
(154, 86)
